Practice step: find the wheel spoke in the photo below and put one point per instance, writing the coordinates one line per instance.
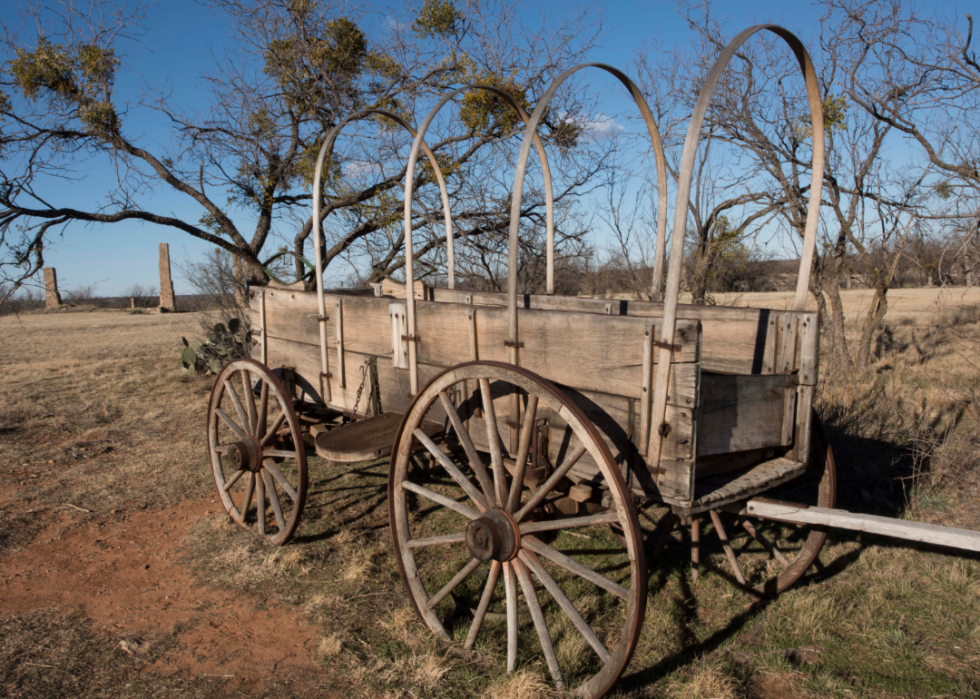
(272, 430)
(436, 540)
(453, 470)
(236, 401)
(537, 616)
(493, 439)
(531, 561)
(263, 415)
(271, 467)
(222, 449)
(247, 500)
(510, 587)
(270, 488)
(239, 432)
(569, 522)
(481, 610)
(517, 484)
(260, 504)
(249, 400)
(476, 463)
(462, 509)
(454, 583)
(771, 548)
(231, 481)
(549, 484)
(574, 566)
(720, 531)
(281, 453)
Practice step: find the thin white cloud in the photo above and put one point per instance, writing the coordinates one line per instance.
(359, 168)
(394, 24)
(601, 128)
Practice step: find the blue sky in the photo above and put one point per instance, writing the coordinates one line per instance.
(180, 43)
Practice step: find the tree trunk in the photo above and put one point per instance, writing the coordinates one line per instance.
(833, 321)
(871, 325)
(241, 293)
(699, 275)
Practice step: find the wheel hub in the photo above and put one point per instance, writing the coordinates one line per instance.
(245, 455)
(493, 536)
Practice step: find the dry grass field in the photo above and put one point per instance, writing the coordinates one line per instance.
(121, 576)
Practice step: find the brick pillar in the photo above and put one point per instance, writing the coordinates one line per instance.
(52, 299)
(167, 299)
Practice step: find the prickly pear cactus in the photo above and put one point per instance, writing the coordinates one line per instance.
(223, 342)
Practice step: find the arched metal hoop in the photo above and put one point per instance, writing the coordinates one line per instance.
(684, 193)
(409, 188)
(327, 149)
(515, 210)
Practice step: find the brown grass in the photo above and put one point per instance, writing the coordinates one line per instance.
(95, 412)
(55, 653)
(523, 684)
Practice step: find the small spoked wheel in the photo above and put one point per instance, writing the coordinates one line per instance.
(766, 557)
(257, 448)
(481, 564)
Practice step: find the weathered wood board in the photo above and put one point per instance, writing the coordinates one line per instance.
(580, 350)
(963, 539)
(742, 412)
(734, 340)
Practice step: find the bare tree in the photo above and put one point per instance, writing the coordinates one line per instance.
(760, 109)
(143, 296)
(298, 69)
(921, 77)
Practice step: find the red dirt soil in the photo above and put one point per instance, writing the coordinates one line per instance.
(124, 574)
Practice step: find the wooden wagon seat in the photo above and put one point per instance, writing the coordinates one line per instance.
(365, 440)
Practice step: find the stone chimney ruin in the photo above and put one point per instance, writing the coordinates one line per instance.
(52, 299)
(168, 302)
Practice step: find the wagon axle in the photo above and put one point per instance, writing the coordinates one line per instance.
(245, 455)
(494, 536)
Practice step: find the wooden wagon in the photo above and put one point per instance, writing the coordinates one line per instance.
(520, 425)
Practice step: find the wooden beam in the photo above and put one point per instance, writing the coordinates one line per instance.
(339, 324)
(962, 539)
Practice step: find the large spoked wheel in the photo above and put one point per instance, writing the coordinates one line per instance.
(257, 448)
(463, 528)
(767, 557)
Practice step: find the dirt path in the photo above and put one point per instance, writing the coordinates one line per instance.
(124, 574)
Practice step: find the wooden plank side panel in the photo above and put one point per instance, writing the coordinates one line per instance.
(735, 340)
(292, 315)
(809, 349)
(803, 423)
(739, 413)
(587, 351)
(304, 360)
